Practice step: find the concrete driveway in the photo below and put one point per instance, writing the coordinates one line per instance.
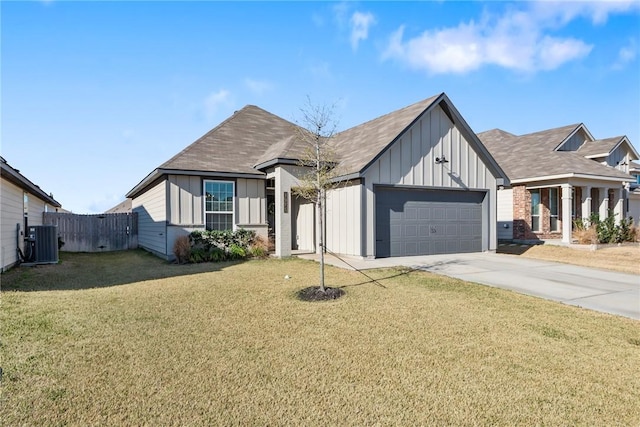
(600, 290)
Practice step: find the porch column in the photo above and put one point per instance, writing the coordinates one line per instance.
(566, 213)
(604, 203)
(618, 208)
(586, 202)
(283, 212)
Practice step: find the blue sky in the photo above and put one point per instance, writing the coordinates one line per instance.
(95, 95)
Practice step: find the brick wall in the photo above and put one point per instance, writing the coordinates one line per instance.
(522, 215)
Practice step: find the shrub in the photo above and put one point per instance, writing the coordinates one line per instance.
(216, 245)
(182, 249)
(237, 252)
(594, 230)
(259, 248)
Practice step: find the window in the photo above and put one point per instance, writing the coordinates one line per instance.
(553, 209)
(218, 205)
(637, 179)
(535, 210)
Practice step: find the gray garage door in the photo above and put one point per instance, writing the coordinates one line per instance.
(422, 222)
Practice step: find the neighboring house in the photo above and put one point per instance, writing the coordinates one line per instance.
(22, 203)
(556, 176)
(415, 181)
(122, 207)
(633, 203)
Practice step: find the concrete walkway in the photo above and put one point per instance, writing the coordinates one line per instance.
(600, 290)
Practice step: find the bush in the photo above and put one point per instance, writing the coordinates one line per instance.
(594, 230)
(259, 248)
(182, 249)
(216, 246)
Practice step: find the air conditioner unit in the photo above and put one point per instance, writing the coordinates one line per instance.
(42, 244)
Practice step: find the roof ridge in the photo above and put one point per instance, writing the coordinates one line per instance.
(413, 105)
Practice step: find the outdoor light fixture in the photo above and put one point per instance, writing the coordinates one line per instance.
(440, 160)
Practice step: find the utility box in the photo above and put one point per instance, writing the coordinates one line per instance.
(41, 244)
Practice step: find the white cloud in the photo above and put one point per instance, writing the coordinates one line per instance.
(258, 87)
(214, 101)
(597, 11)
(518, 40)
(626, 54)
(360, 23)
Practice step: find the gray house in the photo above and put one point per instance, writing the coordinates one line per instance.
(558, 175)
(415, 181)
(22, 203)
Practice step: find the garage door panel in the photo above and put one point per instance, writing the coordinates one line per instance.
(417, 222)
(411, 231)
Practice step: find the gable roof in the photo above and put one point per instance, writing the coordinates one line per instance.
(600, 147)
(253, 139)
(534, 155)
(14, 176)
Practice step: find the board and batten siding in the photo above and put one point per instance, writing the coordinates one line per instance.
(343, 216)
(411, 161)
(186, 206)
(505, 214)
(185, 200)
(575, 142)
(251, 202)
(151, 207)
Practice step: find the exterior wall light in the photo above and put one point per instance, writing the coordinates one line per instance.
(440, 160)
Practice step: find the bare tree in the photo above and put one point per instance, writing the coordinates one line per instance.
(318, 127)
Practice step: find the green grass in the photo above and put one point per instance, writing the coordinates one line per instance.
(131, 340)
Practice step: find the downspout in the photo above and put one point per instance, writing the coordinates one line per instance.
(19, 254)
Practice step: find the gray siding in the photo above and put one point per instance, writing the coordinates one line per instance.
(410, 161)
(343, 220)
(151, 207)
(505, 214)
(185, 200)
(11, 213)
(251, 202)
(618, 159)
(575, 142)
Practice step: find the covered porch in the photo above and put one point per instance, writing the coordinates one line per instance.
(544, 211)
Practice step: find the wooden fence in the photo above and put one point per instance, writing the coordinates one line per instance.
(95, 233)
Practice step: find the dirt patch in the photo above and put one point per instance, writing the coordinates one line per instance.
(314, 293)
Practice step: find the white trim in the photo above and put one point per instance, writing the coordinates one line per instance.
(204, 202)
(580, 126)
(571, 175)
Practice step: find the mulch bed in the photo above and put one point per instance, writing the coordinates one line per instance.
(313, 293)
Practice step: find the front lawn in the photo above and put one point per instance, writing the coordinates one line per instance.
(131, 340)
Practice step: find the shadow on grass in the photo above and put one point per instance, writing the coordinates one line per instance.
(400, 271)
(77, 271)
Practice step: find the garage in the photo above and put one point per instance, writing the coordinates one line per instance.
(413, 221)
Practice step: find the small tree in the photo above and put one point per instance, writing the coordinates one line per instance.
(318, 127)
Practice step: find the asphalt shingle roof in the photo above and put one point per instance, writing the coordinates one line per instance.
(236, 145)
(599, 146)
(533, 155)
(253, 136)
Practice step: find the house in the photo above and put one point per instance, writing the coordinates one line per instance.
(22, 203)
(556, 176)
(122, 207)
(414, 181)
(633, 202)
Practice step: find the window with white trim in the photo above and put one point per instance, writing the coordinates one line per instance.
(535, 210)
(219, 205)
(554, 204)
